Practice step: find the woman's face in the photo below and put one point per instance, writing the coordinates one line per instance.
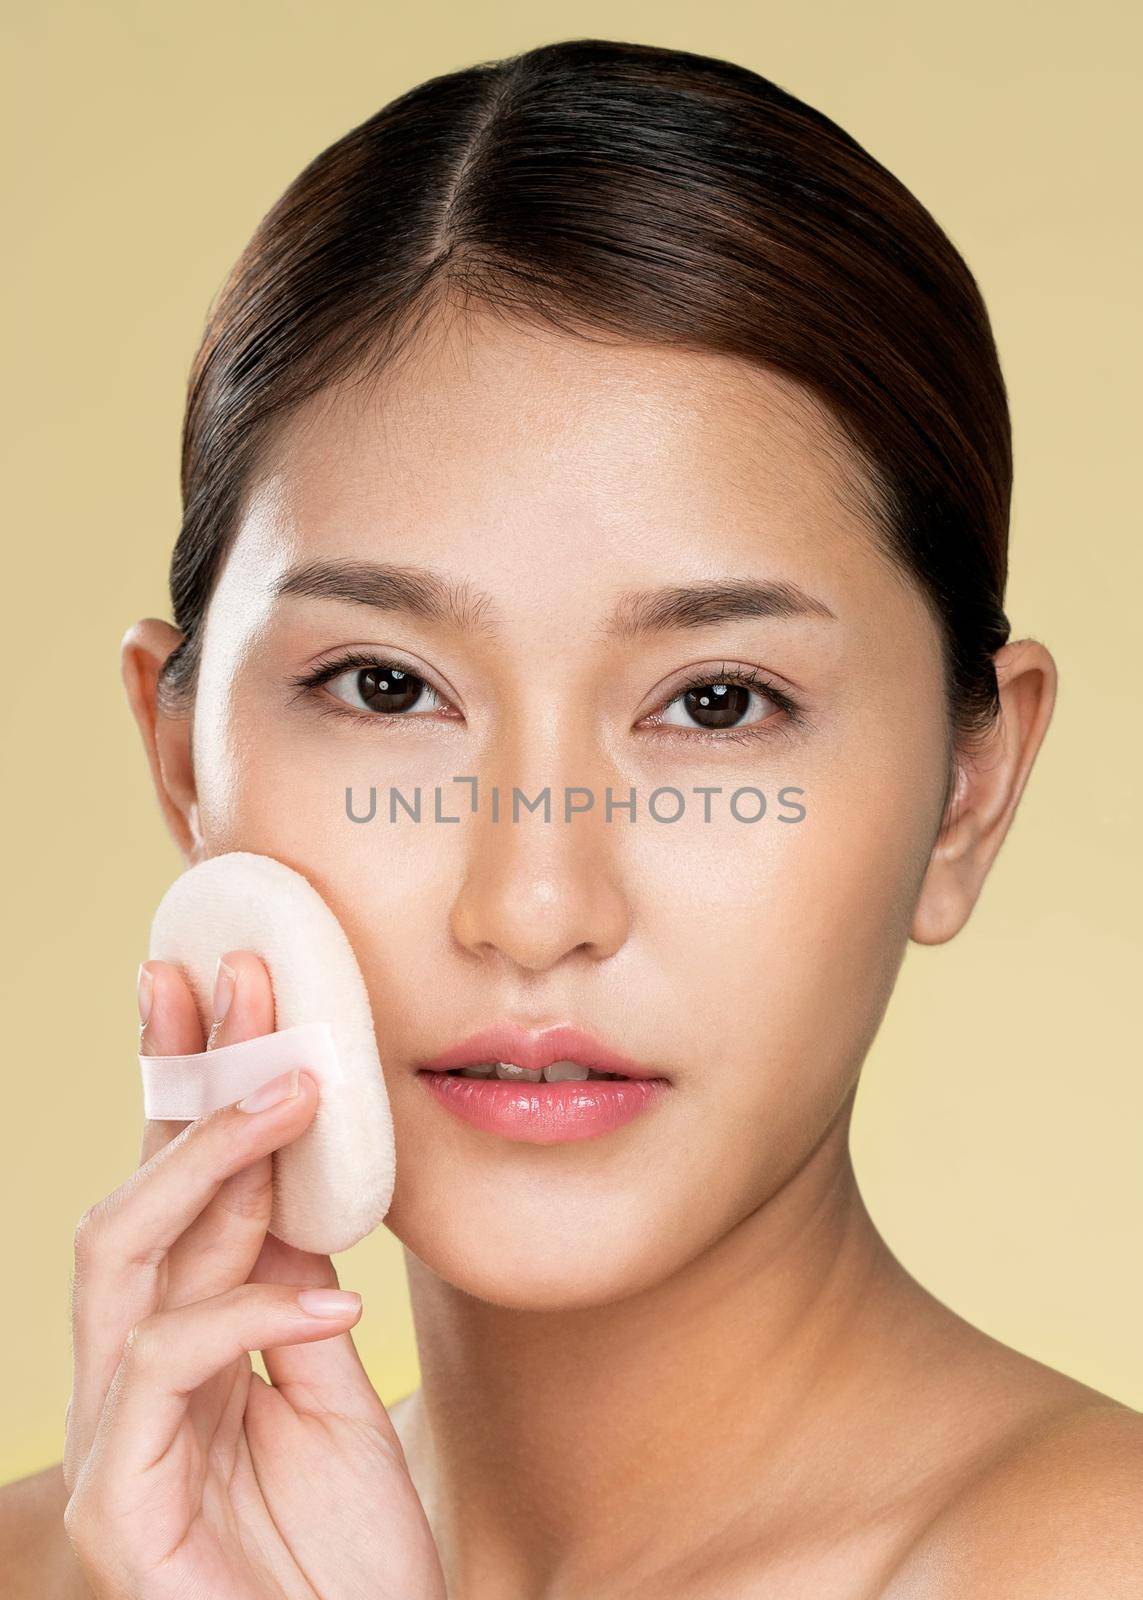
(549, 481)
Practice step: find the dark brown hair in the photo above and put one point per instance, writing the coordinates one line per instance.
(644, 193)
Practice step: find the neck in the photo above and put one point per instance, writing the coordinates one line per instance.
(681, 1406)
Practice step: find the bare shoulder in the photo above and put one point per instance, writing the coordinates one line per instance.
(1056, 1513)
(36, 1559)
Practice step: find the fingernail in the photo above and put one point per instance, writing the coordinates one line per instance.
(272, 1093)
(223, 989)
(328, 1302)
(145, 984)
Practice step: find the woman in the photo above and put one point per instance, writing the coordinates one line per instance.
(603, 421)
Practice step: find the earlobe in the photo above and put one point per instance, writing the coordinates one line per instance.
(167, 740)
(990, 782)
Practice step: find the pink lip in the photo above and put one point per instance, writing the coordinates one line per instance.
(507, 1041)
(541, 1112)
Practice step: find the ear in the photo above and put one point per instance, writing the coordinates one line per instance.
(989, 783)
(144, 648)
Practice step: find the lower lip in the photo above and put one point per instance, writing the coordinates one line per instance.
(545, 1113)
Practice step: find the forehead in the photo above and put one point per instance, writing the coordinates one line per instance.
(521, 454)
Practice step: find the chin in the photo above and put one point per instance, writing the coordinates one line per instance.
(538, 1267)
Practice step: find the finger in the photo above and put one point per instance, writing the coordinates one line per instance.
(102, 1306)
(323, 1377)
(218, 1249)
(166, 1358)
(221, 1245)
(122, 1244)
(172, 1028)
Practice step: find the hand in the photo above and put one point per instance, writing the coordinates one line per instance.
(189, 1474)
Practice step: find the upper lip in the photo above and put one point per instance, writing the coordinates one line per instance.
(535, 1049)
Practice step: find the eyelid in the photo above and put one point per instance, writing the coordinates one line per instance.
(330, 664)
(751, 677)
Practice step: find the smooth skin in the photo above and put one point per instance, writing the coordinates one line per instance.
(677, 1360)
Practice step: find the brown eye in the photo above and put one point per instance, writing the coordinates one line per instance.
(385, 689)
(716, 705)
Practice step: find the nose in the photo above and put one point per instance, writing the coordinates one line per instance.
(536, 892)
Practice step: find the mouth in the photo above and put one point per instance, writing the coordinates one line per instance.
(548, 1086)
(561, 1053)
(556, 1072)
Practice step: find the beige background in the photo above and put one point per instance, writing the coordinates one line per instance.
(997, 1134)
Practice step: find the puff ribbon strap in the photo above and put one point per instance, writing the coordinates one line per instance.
(184, 1088)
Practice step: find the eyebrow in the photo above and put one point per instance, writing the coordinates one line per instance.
(388, 587)
(697, 605)
(427, 594)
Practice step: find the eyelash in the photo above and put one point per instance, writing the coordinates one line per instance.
(748, 678)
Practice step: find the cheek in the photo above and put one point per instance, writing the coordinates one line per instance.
(390, 884)
(782, 942)
(273, 779)
(782, 931)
